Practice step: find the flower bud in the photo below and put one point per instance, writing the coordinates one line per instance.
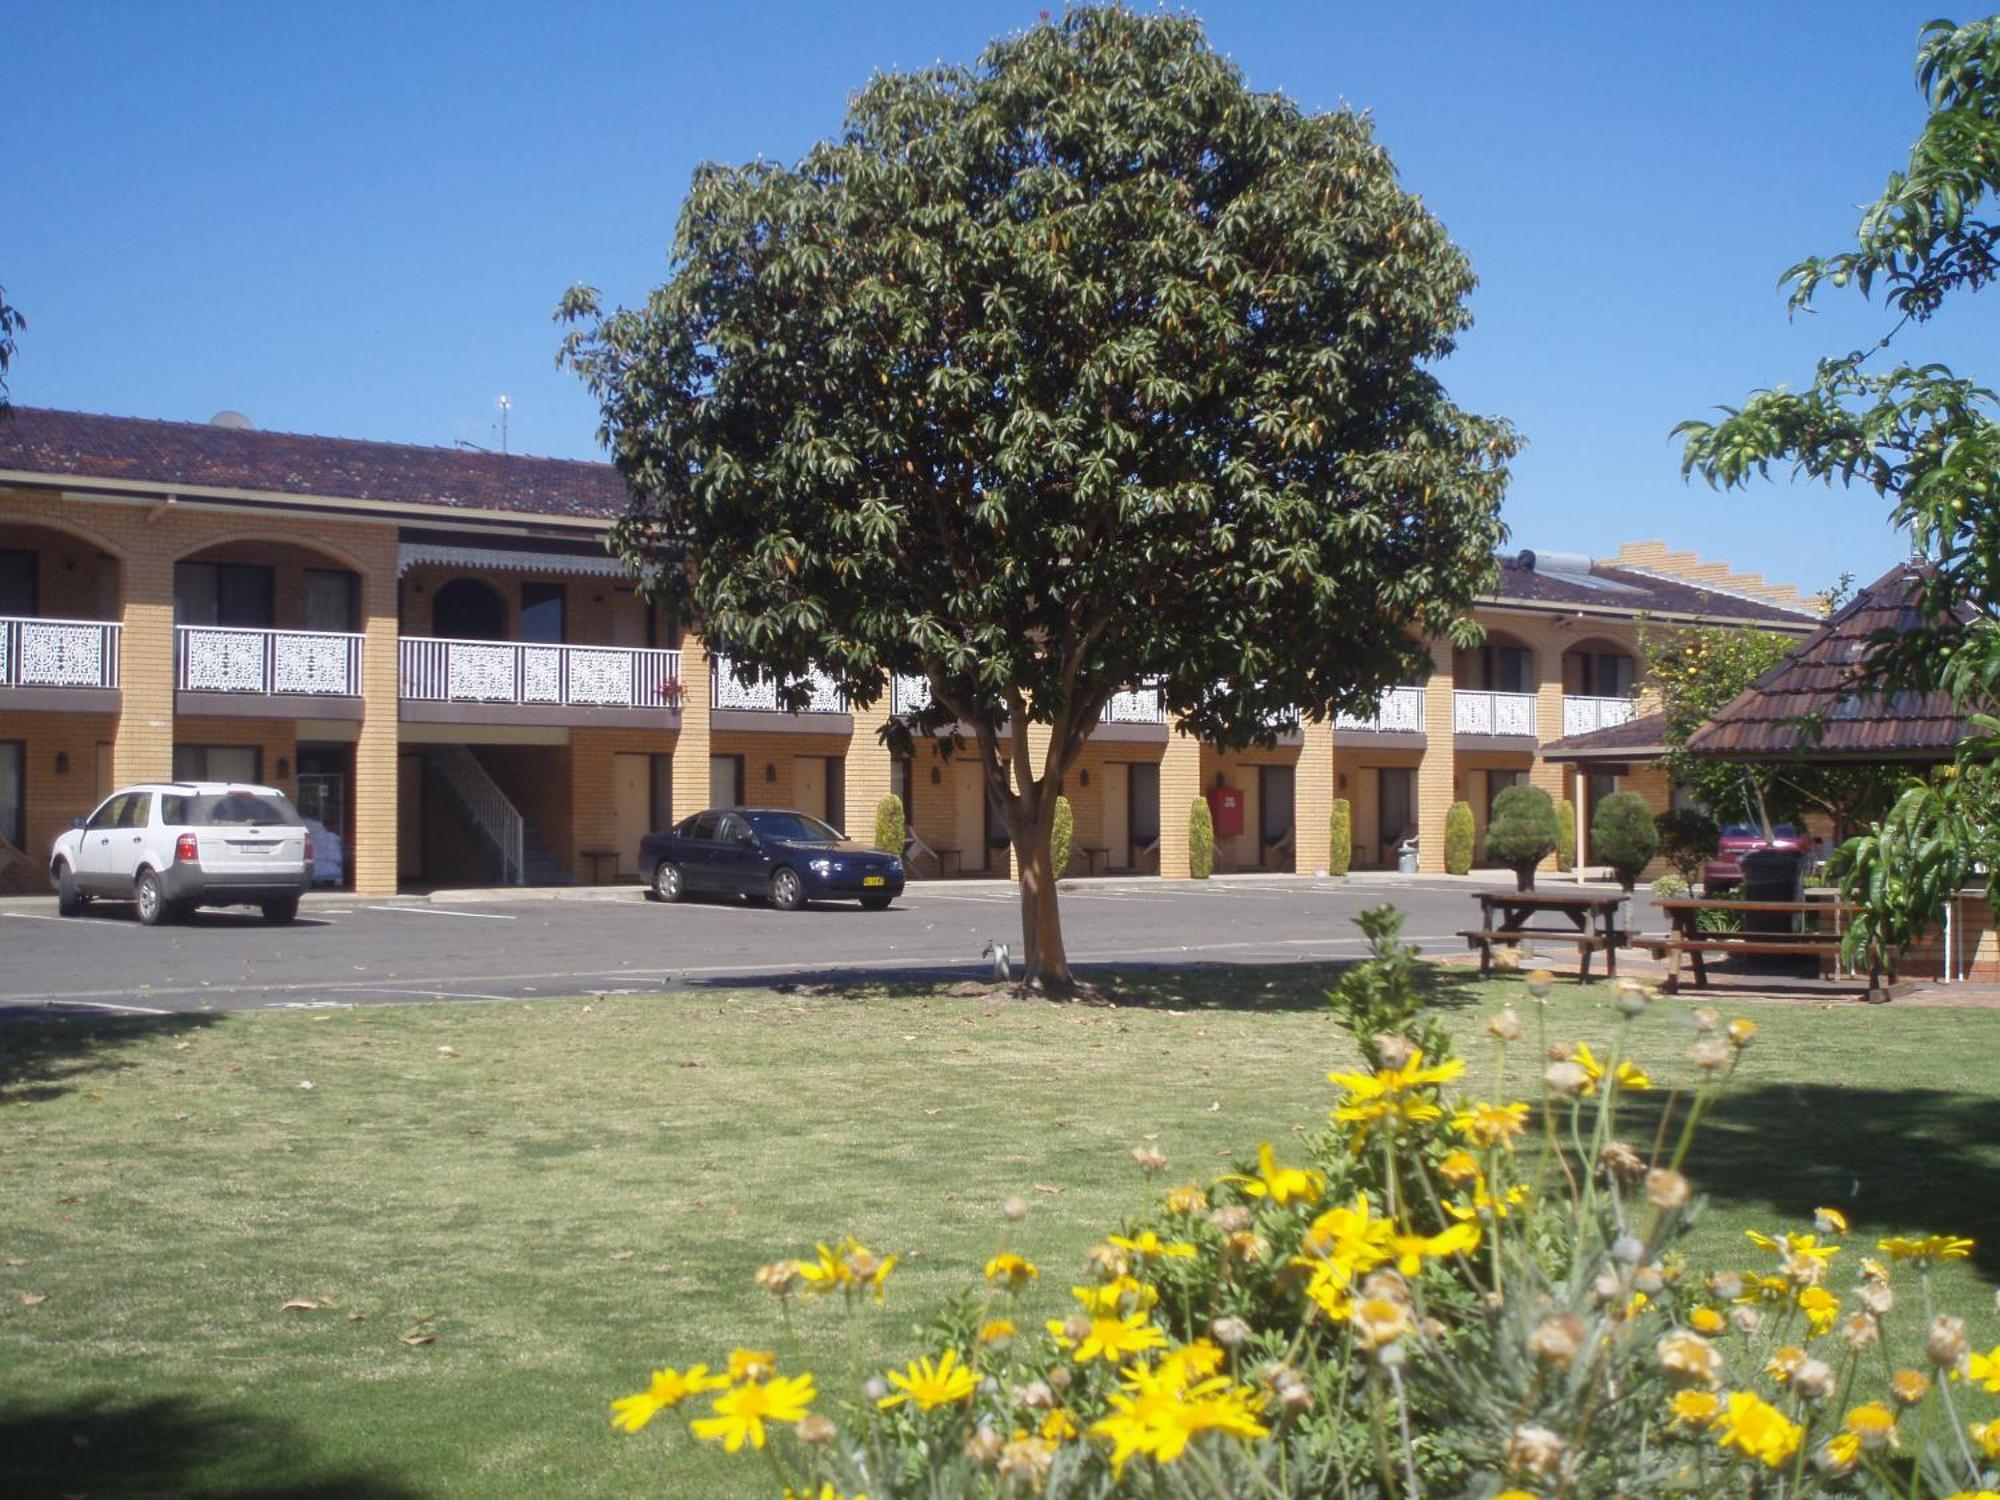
(1725, 1286)
(1745, 1320)
(1035, 1395)
(1076, 1327)
(1231, 1333)
(1395, 1051)
(1649, 1279)
(1566, 1079)
(1667, 1189)
(1878, 1297)
(1506, 1026)
(1631, 998)
(1231, 1217)
(983, 1445)
(1558, 1340)
(1150, 1159)
(1706, 1019)
(1710, 1055)
(779, 1278)
(1813, 1380)
(1858, 1331)
(1742, 1033)
(814, 1429)
(1946, 1345)
(1060, 1378)
(1293, 1395)
(874, 1388)
(1621, 1163)
(1534, 1450)
(1628, 1249)
(1909, 1386)
(1015, 1209)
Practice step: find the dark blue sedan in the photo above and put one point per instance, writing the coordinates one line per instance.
(768, 852)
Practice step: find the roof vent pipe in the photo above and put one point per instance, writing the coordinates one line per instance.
(1556, 562)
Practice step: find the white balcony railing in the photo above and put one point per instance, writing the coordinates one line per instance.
(1582, 715)
(436, 670)
(761, 696)
(224, 659)
(1493, 713)
(1139, 705)
(58, 653)
(909, 695)
(1400, 711)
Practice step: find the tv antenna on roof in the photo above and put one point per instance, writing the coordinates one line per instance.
(505, 406)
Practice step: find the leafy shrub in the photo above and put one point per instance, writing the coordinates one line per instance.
(1688, 839)
(890, 829)
(1522, 832)
(1458, 830)
(1340, 838)
(1622, 829)
(1565, 833)
(1437, 1294)
(1720, 921)
(1671, 887)
(1062, 837)
(1201, 840)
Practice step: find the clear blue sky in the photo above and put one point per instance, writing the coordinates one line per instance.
(356, 218)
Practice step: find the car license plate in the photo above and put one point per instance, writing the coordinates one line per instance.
(873, 880)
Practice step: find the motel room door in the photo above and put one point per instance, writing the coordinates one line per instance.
(631, 807)
(969, 806)
(809, 785)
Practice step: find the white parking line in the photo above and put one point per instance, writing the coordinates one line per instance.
(79, 924)
(445, 911)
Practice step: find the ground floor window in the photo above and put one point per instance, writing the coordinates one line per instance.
(218, 763)
(13, 792)
(725, 781)
(662, 798)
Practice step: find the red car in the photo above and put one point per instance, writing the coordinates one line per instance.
(1739, 839)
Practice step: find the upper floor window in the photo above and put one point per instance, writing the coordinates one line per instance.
(234, 594)
(329, 602)
(542, 613)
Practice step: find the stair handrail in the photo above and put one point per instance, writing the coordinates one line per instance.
(495, 815)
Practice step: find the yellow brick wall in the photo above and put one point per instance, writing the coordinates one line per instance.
(1237, 769)
(52, 798)
(1180, 784)
(593, 800)
(1312, 801)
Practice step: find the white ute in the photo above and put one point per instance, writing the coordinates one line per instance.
(174, 846)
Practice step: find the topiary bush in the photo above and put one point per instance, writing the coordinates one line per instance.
(1062, 838)
(890, 828)
(1669, 887)
(1522, 832)
(1340, 838)
(1622, 830)
(1458, 835)
(1688, 840)
(1565, 834)
(1201, 840)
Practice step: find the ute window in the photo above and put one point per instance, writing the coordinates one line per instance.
(793, 826)
(241, 810)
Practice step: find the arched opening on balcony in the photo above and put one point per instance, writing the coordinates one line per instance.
(469, 609)
(52, 573)
(267, 585)
(1599, 668)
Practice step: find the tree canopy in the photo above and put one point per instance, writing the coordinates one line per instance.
(1083, 367)
(11, 323)
(1924, 437)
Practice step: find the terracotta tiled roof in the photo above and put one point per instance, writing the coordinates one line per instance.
(1606, 586)
(1642, 738)
(35, 440)
(1817, 687)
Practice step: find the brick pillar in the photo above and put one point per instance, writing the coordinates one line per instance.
(1180, 784)
(143, 747)
(375, 781)
(1312, 800)
(1548, 775)
(867, 770)
(1437, 782)
(691, 748)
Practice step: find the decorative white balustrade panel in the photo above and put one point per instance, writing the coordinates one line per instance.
(447, 671)
(1399, 711)
(1493, 713)
(222, 659)
(761, 696)
(1140, 705)
(58, 653)
(909, 695)
(1583, 715)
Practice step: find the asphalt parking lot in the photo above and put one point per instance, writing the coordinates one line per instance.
(353, 951)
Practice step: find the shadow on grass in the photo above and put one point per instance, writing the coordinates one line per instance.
(45, 1054)
(1906, 1160)
(1289, 988)
(170, 1446)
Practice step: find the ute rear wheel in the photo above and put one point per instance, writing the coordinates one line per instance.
(69, 898)
(668, 882)
(788, 892)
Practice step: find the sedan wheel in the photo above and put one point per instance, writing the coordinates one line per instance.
(151, 899)
(788, 892)
(667, 882)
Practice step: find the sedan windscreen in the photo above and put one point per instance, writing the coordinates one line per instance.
(790, 825)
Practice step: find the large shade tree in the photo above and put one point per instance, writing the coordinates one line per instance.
(1083, 367)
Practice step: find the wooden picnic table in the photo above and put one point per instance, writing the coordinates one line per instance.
(1687, 936)
(1589, 920)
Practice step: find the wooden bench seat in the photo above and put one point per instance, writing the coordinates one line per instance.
(1586, 943)
(1821, 945)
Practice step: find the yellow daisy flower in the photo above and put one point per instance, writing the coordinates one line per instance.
(931, 1385)
(742, 1411)
(668, 1388)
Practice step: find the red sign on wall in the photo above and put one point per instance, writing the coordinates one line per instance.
(1225, 805)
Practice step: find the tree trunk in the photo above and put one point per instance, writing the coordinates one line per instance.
(1046, 964)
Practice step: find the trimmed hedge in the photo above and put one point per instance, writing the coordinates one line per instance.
(1340, 838)
(1201, 840)
(1623, 832)
(1565, 834)
(890, 827)
(1062, 838)
(1458, 835)
(1522, 832)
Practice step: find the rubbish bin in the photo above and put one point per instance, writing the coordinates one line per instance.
(1406, 857)
(1773, 875)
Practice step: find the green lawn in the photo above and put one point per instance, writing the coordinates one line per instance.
(585, 1187)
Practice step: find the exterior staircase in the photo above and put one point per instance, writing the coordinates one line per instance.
(522, 856)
